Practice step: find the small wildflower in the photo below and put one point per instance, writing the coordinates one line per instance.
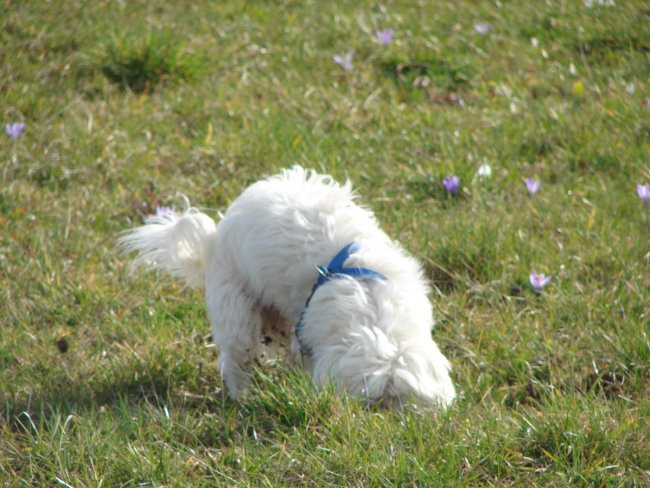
(538, 280)
(484, 171)
(482, 28)
(533, 186)
(385, 36)
(602, 3)
(578, 88)
(644, 193)
(630, 88)
(165, 213)
(15, 130)
(344, 61)
(451, 184)
(572, 69)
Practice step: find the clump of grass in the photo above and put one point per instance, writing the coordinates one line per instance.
(289, 397)
(142, 64)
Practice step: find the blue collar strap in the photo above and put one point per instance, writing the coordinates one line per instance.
(335, 269)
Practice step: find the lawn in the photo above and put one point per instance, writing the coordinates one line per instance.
(107, 377)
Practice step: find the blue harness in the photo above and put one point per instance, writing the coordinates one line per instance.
(335, 269)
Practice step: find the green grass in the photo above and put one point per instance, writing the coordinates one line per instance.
(141, 65)
(108, 379)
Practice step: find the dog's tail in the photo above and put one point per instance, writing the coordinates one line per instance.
(178, 243)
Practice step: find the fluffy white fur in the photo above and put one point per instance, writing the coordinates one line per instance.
(370, 337)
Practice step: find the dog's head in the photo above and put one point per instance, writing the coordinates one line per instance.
(371, 353)
(398, 372)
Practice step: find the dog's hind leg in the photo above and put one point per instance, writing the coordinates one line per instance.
(236, 329)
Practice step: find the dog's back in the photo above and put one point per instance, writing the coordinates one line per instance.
(278, 229)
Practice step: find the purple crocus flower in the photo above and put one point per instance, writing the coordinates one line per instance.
(451, 184)
(482, 28)
(538, 280)
(644, 193)
(385, 36)
(15, 130)
(533, 186)
(345, 61)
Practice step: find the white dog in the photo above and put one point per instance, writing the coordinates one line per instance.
(363, 321)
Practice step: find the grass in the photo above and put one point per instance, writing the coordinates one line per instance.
(141, 65)
(108, 379)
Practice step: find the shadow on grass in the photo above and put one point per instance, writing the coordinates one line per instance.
(454, 265)
(136, 386)
(280, 400)
(601, 47)
(431, 188)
